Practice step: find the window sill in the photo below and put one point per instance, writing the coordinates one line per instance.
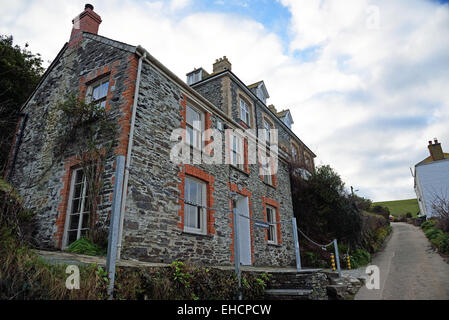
(239, 169)
(268, 184)
(196, 234)
(276, 245)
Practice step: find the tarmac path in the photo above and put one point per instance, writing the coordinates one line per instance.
(409, 268)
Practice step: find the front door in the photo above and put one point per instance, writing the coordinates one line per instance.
(244, 230)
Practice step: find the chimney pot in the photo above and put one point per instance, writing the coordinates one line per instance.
(436, 152)
(88, 21)
(221, 64)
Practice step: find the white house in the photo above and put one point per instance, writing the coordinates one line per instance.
(432, 178)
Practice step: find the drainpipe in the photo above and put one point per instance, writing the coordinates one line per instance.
(17, 143)
(128, 155)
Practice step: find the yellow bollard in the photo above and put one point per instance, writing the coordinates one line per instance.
(348, 261)
(333, 261)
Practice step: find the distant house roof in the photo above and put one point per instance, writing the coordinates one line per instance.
(430, 160)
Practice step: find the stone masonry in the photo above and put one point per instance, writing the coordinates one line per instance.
(153, 228)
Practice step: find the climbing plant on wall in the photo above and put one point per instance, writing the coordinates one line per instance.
(90, 131)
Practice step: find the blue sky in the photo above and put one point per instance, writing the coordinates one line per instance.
(365, 80)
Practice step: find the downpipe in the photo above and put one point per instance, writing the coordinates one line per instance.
(128, 155)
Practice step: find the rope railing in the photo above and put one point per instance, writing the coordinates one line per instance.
(315, 243)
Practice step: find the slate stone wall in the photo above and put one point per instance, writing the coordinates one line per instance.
(152, 226)
(43, 178)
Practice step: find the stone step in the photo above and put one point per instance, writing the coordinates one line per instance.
(309, 285)
(288, 294)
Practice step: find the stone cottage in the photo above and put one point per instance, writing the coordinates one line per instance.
(170, 211)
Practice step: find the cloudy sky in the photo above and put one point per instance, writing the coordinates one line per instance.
(367, 81)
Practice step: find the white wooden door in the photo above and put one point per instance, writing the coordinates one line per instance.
(244, 231)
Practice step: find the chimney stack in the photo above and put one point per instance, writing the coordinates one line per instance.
(87, 21)
(221, 65)
(436, 152)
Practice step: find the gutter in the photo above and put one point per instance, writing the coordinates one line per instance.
(128, 153)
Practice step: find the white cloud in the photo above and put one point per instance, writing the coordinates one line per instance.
(374, 133)
(366, 103)
(179, 4)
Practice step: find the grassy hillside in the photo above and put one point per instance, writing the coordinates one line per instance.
(400, 206)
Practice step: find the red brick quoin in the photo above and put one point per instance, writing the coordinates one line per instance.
(124, 123)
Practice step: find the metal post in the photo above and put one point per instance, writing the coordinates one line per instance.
(337, 257)
(295, 239)
(236, 245)
(114, 225)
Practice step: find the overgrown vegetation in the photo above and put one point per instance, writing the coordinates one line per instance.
(84, 246)
(326, 211)
(24, 275)
(433, 231)
(20, 73)
(89, 130)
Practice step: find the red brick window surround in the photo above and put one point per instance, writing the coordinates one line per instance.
(100, 76)
(190, 172)
(189, 109)
(269, 205)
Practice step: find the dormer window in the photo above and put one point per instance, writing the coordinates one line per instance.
(286, 118)
(287, 122)
(194, 76)
(260, 91)
(261, 95)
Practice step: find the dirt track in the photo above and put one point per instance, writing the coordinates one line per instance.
(409, 269)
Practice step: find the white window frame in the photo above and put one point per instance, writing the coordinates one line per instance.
(244, 112)
(267, 178)
(101, 100)
(271, 220)
(69, 208)
(237, 152)
(198, 129)
(194, 77)
(267, 126)
(202, 206)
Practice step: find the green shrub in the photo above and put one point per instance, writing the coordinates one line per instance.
(84, 246)
(359, 258)
(313, 259)
(428, 224)
(444, 243)
(432, 234)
